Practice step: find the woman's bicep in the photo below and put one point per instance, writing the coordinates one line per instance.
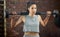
(19, 20)
(41, 21)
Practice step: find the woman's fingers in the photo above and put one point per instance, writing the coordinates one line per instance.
(49, 13)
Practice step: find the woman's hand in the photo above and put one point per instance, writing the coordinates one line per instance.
(14, 14)
(48, 13)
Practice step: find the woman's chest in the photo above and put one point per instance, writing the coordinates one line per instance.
(31, 21)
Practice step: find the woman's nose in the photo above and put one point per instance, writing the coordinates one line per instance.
(34, 10)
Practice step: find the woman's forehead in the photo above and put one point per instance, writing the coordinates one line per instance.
(33, 5)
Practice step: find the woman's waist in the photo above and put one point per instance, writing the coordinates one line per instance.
(31, 33)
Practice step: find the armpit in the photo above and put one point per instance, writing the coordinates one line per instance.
(39, 18)
(23, 18)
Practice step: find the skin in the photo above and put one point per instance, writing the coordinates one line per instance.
(32, 10)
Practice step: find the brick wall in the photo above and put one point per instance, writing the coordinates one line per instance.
(43, 5)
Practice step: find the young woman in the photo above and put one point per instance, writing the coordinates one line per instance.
(31, 21)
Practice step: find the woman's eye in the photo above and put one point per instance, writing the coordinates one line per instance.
(34, 8)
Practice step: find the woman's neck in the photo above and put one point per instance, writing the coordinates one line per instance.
(32, 15)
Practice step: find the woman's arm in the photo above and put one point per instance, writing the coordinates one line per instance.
(45, 21)
(19, 21)
(41, 21)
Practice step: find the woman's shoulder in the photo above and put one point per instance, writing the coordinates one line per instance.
(38, 15)
(23, 16)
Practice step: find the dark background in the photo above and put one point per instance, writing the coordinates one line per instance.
(1, 18)
(50, 30)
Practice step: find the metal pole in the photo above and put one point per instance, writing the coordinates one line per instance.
(5, 18)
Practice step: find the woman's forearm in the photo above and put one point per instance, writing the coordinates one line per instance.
(46, 20)
(47, 17)
(19, 21)
(11, 22)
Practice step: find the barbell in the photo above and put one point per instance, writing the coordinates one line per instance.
(55, 14)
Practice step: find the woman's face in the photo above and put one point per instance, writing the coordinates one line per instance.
(32, 9)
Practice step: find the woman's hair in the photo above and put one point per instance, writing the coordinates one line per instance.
(29, 4)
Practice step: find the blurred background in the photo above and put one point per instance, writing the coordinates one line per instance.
(12, 6)
(2, 18)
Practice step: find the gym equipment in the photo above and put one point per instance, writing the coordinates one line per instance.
(57, 19)
(26, 13)
(55, 14)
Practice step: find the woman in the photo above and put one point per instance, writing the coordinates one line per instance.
(31, 21)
